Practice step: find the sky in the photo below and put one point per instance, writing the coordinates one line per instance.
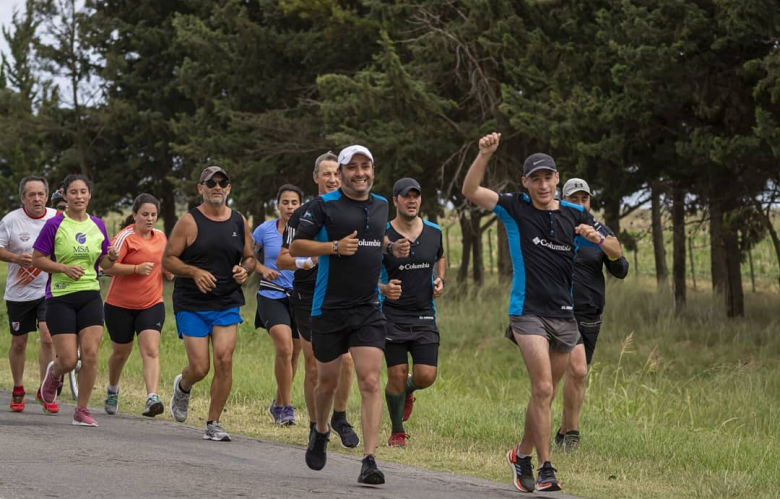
(6, 11)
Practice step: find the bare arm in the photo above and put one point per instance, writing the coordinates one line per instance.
(472, 188)
(439, 269)
(22, 259)
(249, 263)
(184, 232)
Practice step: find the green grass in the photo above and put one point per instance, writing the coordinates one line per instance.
(677, 406)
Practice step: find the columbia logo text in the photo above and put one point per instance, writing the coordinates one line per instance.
(552, 246)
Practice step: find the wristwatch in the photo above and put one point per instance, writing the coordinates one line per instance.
(389, 248)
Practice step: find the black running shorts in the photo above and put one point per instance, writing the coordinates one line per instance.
(336, 331)
(301, 309)
(24, 316)
(70, 314)
(589, 334)
(426, 354)
(124, 323)
(274, 312)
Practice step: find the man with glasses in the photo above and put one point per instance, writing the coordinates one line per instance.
(58, 201)
(409, 286)
(345, 229)
(210, 251)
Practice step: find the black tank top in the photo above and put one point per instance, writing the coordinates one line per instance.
(218, 247)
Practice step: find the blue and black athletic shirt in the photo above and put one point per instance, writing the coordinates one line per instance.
(344, 282)
(542, 245)
(303, 280)
(415, 306)
(589, 277)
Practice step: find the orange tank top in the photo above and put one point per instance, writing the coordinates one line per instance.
(135, 291)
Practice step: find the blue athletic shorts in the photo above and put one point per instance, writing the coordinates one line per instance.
(199, 324)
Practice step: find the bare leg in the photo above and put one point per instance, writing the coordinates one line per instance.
(368, 364)
(223, 340)
(149, 345)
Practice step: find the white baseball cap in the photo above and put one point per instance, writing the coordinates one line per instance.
(345, 156)
(575, 185)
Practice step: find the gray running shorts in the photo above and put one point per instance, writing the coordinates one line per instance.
(562, 334)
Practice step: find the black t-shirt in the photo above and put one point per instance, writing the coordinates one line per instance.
(542, 244)
(589, 277)
(219, 259)
(304, 280)
(344, 282)
(415, 306)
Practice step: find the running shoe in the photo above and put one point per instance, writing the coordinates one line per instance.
(180, 401)
(111, 404)
(571, 441)
(276, 412)
(287, 416)
(349, 439)
(17, 401)
(397, 439)
(523, 470)
(369, 473)
(215, 431)
(82, 417)
(546, 482)
(559, 438)
(408, 406)
(49, 387)
(154, 406)
(316, 452)
(52, 408)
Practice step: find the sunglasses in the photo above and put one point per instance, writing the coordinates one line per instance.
(62, 207)
(211, 183)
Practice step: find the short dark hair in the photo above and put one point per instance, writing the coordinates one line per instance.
(32, 178)
(289, 188)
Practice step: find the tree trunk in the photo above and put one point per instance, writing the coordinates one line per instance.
(168, 206)
(504, 258)
(466, 238)
(476, 250)
(678, 247)
(659, 250)
(717, 249)
(612, 214)
(772, 233)
(735, 298)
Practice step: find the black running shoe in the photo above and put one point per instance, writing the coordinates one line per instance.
(571, 441)
(369, 473)
(316, 455)
(559, 438)
(547, 482)
(349, 439)
(523, 469)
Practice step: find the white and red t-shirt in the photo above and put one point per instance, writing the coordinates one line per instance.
(18, 232)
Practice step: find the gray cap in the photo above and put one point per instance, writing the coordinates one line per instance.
(345, 156)
(538, 161)
(575, 185)
(403, 186)
(209, 172)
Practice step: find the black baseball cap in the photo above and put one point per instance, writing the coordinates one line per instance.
(538, 161)
(403, 186)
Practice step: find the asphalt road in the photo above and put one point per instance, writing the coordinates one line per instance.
(44, 456)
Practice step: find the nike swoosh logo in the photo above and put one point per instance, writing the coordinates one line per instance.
(537, 162)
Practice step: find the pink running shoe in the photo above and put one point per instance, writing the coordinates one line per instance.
(49, 387)
(82, 417)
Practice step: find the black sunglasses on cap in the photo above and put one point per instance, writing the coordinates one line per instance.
(211, 183)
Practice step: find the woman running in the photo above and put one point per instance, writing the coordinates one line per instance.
(134, 303)
(273, 305)
(70, 247)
